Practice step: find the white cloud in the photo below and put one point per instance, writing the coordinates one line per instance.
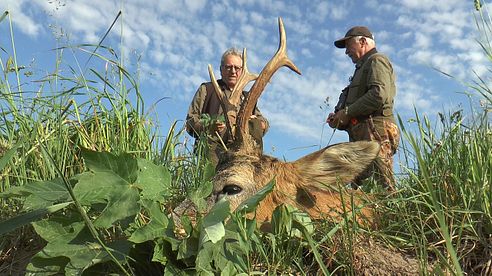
(422, 41)
(195, 5)
(19, 13)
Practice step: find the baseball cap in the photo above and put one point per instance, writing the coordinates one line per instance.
(354, 31)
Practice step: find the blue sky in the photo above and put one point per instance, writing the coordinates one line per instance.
(175, 40)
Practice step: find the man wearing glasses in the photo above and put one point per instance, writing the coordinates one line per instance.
(204, 115)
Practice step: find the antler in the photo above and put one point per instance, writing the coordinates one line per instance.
(243, 80)
(278, 60)
(224, 103)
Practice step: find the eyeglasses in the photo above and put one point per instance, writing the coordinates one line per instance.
(229, 68)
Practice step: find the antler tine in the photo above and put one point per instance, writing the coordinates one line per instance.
(218, 91)
(278, 60)
(222, 99)
(243, 80)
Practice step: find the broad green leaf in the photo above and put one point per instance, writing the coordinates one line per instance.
(209, 171)
(56, 229)
(171, 270)
(186, 223)
(161, 251)
(154, 180)
(214, 233)
(154, 229)
(29, 217)
(204, 259)
(124, 165)
(303, 219)
(120, 205)
(39, 194)
(197, 196)
(232, 251)
(120, 196)
(204, 190)
(220, 256)
(95, 188)
(250, 204)
(43, 266)
(74, 241)
(187, 248)
(219, 212)
(229, 269)
(83, 255)
(213, 222)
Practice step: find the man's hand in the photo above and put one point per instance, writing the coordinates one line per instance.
(219, 126)
(331, 120)
(338, 120)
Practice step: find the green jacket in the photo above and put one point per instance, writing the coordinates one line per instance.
(206, 101)
(372, 89)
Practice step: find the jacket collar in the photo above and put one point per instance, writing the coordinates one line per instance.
(365, 58)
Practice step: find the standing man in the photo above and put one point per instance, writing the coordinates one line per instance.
(365, 106)
(206, 101)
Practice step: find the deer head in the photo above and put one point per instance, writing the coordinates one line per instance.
(308, 183)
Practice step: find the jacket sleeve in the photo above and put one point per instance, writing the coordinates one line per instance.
(380, 85)
(193, 125)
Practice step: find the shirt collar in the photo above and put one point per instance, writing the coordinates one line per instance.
(223, 85)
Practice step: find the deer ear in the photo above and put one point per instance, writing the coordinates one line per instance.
(337, 163)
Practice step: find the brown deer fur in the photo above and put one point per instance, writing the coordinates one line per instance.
(310, 183)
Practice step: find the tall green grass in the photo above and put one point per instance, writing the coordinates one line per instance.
(444, 207)
(46, 120)
(71, 108)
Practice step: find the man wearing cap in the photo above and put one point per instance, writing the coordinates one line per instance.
(365, 106)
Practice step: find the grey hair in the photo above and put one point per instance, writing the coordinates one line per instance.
(370, 41)
(231, 51)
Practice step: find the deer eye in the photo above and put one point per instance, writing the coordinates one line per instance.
(231, 189)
